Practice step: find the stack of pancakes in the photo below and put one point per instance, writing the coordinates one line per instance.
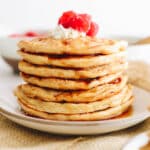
(74, 79)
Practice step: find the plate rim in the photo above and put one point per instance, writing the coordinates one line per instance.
(5, 112)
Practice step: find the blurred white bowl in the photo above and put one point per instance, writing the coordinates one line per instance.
(8, 46)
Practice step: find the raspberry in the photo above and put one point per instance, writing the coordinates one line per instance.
(65, 18)
(80, 23)
(93, 29)
(31, 34)
(86, 17)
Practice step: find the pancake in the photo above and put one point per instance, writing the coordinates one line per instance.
(98, 115)
(78, 46)
(72, 61)
(49, 71)
(94, 94)
(66, 84)
(75, 108)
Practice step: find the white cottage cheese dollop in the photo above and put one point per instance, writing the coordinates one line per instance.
(62, 33)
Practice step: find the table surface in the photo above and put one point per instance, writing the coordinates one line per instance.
(16, 137)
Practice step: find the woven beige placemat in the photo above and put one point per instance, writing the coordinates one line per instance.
(16, 137)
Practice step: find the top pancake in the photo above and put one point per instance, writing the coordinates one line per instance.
(78, 46)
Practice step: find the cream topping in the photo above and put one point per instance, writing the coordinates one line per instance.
(62, 33)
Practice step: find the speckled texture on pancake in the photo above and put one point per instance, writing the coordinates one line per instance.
(66, 84)
(48, 71)
(98, 115)
(94, 94)
(75, 108)
(73, 61)
(78, 46)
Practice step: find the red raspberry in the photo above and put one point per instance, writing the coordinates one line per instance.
(93, 29)
(86, 17)
(80, 23)
(65, 18)
(31, 34)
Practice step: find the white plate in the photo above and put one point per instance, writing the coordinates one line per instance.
(10, 108)
(137, 142)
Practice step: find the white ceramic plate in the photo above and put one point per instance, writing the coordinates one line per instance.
(138, 142)
(10, 108)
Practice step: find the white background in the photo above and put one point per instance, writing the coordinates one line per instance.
(125, 17)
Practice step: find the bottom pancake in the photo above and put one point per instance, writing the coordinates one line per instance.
(75, 108)
(98, 115)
